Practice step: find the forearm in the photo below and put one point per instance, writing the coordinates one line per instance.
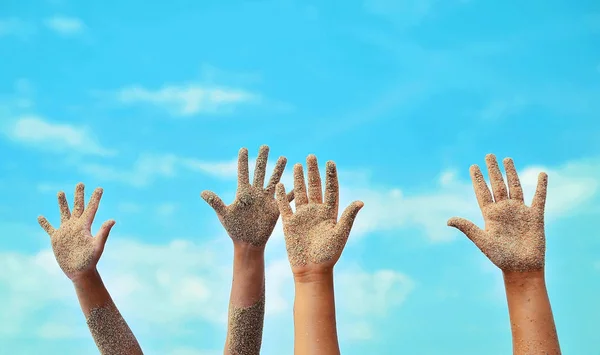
(247, 301)
(315, 330)
(531, 319)
(109, 330)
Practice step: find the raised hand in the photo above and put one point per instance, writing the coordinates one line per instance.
(513, 238)
(76, 251)
(251, 217)
(314, 237)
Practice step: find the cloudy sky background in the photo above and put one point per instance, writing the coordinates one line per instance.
(153, 100)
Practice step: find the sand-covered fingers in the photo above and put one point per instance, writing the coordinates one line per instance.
(46, 225)
(214, 201)
(514, 237)
(496, 179)
(276, 176)
(468, 228)
(512, 179)
(344, 225)
(243, 174)
(63, 205)
(103, 233)
(482, 192)
(283, 202)
(261, 167)
(90, 211)
(332, 189)
(315, 193)
(539, 198)
(79, 205)
(300, 196)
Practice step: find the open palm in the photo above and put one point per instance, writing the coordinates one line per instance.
(513, 238)
(253, 214)
(74, 247)
(314, 237)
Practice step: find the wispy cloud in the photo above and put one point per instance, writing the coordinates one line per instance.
(185, 277)
(38, 132)
(16, 27)
(570, 187)
(66, 26)
(187, 100)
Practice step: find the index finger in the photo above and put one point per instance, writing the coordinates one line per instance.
(90, 212)
(482, 192)
(331, 189)
(243, 178)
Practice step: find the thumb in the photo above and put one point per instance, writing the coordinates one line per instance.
(347, 219)
(214, 201)
(102, 234)
(468, 228)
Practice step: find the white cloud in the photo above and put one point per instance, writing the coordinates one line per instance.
(55, 137)
(189, 281)
(66, 26)
(188, 100)
(570, 186)
(372, 294)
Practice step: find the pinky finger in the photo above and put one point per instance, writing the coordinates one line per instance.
(282, 202)
(46, 225)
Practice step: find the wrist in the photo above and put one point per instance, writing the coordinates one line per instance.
(314, 276)
(518, 281)
(87, 280)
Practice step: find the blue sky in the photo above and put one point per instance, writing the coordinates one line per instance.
(153, 100)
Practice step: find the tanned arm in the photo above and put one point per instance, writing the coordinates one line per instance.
(77, 253)
(315, 329)
(531, 319)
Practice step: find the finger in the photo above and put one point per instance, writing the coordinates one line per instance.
(214, 201)
(331, 189)
(348, 216)
(79, 200)
(482, 192)
(63, 205)
(539, 198)
(496, 180)
(512, 179)
(315, 190)
(284, 206)
(299, 186)
(90, 212)
(469, 229)
(104, 231)
(260, 169)
(290, 196)
(46, 225)
(243, 178)
(276, 176)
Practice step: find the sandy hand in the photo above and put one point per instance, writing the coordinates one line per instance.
(74, 247)
(314, 237)
(513, 238)
(253, 214)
